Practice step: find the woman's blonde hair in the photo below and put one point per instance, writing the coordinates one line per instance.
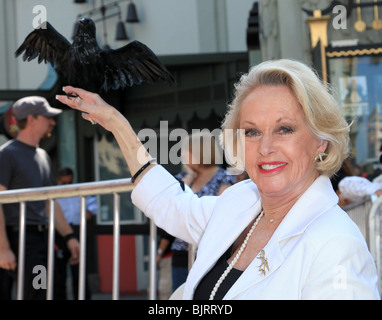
(322, 113)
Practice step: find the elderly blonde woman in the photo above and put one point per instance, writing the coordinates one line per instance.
(279, 234)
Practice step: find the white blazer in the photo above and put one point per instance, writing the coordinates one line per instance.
(317, 252)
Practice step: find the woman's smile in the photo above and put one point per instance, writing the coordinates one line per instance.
(271, 167)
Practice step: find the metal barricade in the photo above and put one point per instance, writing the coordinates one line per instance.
(82, 190)
(375, 235)
(359, 212)
(366, 214)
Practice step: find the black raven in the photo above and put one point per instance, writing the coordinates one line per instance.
(84, 64)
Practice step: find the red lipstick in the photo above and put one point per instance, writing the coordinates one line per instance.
(271, 167)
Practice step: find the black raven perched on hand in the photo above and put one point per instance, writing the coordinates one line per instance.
(84, 64)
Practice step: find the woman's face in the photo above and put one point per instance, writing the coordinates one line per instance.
(279, 147)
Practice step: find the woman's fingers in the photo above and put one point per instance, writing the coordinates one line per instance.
(78, 99)
(86, 116)
(74, 99)
(93, 107)
(78, 91)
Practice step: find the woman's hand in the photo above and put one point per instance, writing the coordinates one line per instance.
(93, 107)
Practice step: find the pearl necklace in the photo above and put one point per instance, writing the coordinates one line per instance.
(233, 262)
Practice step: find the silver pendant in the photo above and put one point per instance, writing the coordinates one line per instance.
(263, 267)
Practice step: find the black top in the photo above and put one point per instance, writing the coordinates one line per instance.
(24, 166)
(204, 288)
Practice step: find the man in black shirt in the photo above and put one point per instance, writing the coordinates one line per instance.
(25, 165)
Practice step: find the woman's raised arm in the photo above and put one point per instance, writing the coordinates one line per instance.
(95, 109)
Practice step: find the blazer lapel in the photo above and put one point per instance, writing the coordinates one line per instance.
(304, 212)
(269, 260)
(225, 226)
(222, 235)
(222, 230)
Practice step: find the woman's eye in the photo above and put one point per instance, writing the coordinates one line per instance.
(286, 130)
(251, 133)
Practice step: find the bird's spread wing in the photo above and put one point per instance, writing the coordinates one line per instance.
(45, 43)
(133, 64)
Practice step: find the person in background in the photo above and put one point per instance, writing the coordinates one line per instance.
(164, 259)
(355, 188)
(346, 170)
(201, 172)
(25, 165)
(71, 207)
